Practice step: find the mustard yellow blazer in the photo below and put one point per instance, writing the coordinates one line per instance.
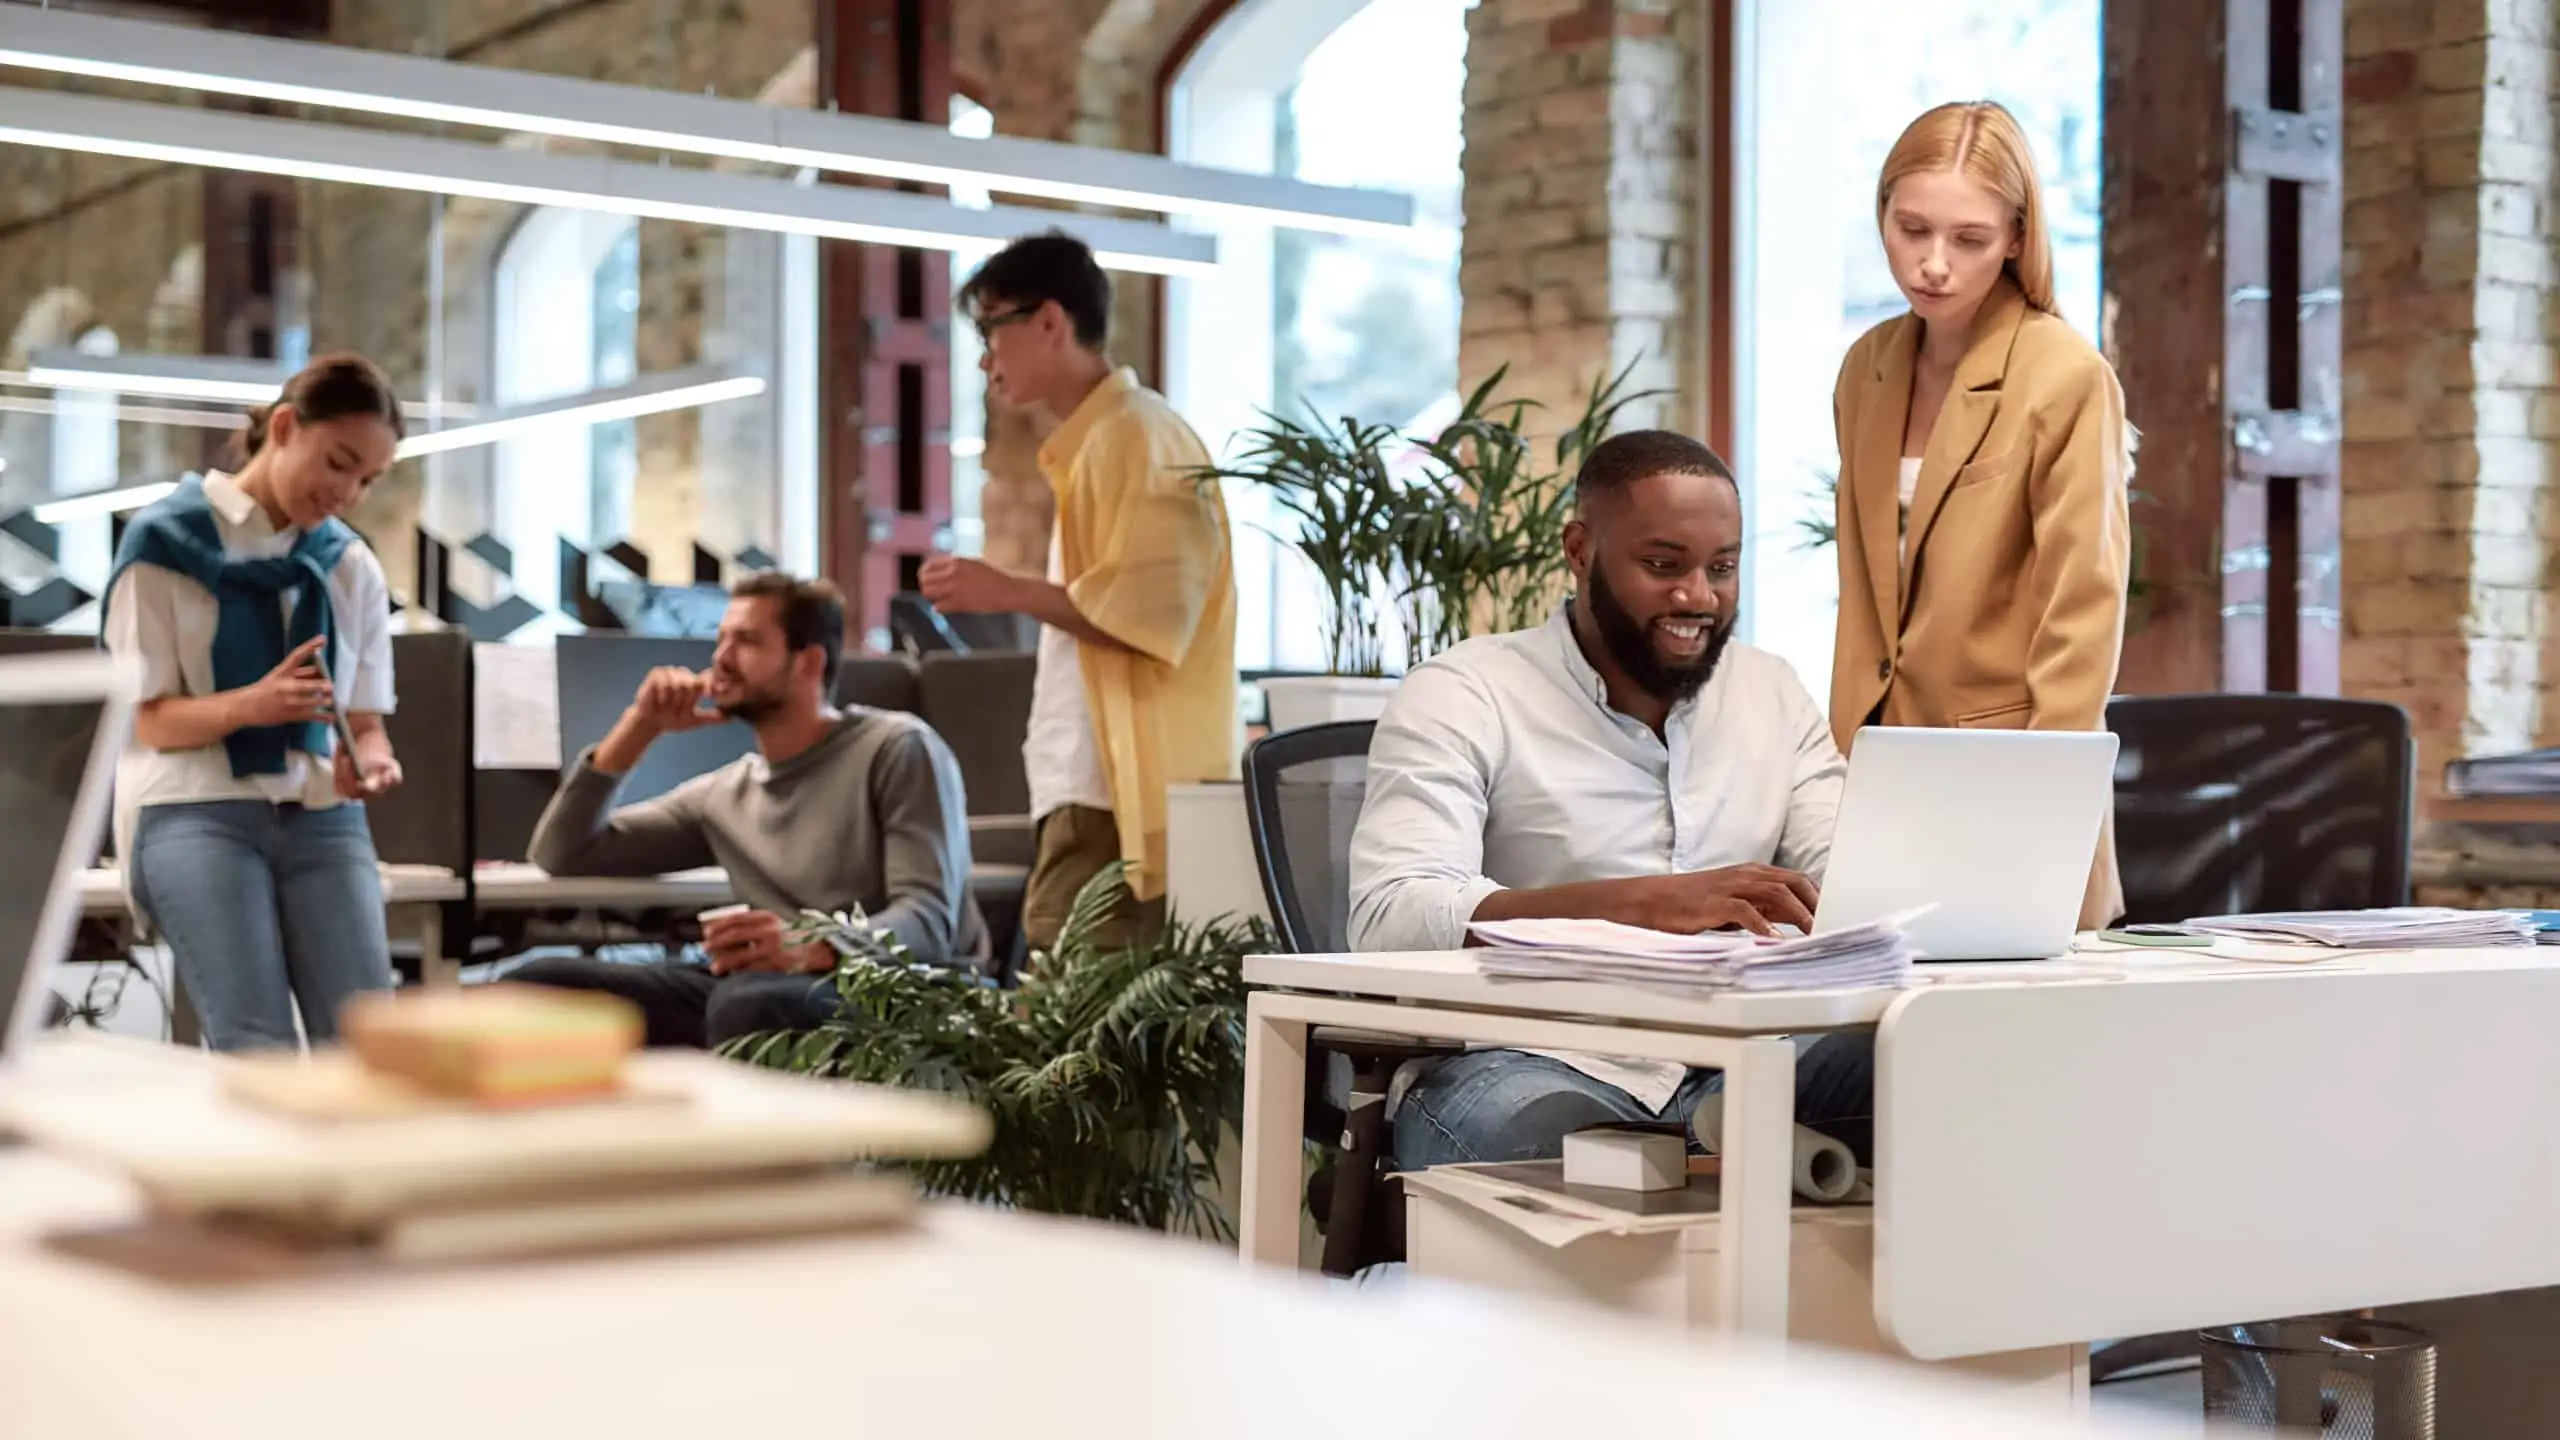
(2007, 608)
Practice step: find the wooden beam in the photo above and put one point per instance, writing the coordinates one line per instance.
(885, 367)
(2223, 144)
(2164, 139)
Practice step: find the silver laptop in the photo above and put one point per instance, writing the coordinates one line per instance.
(64, 719)
(1995, 829)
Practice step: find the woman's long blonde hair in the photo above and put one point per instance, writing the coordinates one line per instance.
(1982, 140)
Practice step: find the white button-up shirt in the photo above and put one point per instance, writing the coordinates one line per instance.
(1499, 765)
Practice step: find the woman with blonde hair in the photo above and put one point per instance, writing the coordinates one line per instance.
(1984, 455)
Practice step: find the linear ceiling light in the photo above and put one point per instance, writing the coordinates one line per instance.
(126, 413)
(345, 77)
(308, 150)
(101, 502)
(224, 378)
(215, 379)
(649, 395)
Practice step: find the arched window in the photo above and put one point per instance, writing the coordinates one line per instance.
(1346, 92)
(568, 303)
(1822, 90)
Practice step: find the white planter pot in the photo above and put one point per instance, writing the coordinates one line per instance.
(1209, 865)
(1297, 701)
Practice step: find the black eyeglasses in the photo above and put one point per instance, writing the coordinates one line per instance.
(989, 324)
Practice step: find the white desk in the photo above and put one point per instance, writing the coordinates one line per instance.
(2105, 1145)
(974, 1323)
(417, 891)
(520, 886)
(1441, 996)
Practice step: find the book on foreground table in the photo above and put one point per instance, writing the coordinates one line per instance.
(2400, 927)
(1879, 953)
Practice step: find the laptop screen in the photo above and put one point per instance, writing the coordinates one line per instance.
(44, 755)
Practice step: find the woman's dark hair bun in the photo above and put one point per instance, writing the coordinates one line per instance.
(332, 387)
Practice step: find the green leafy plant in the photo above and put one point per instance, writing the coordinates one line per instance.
(1473, 540)
(1110, 1072)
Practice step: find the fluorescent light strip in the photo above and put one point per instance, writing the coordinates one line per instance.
(215, 379)
(682, 390)
(101, 502)
(129, 414)
(379, 83)
(308, 150)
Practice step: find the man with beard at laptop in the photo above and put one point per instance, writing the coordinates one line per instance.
(1625, 761)
(834, 809)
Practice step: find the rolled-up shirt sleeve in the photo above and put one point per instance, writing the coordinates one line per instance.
(1417, 855)
(1813, 806)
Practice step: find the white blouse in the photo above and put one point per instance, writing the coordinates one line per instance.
(166, 621)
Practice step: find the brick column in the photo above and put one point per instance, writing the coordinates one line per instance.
(1582, 158)
(2452, 419)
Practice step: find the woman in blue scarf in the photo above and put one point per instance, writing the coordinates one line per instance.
(259, 617)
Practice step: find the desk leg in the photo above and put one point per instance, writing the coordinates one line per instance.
(1759, 1195)
(436, 970)
(1275, 1118)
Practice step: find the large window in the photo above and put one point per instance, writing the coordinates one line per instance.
(568, 298)
(1823, 88)
(1344, 92)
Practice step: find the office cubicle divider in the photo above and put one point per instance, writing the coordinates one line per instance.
(598, 676)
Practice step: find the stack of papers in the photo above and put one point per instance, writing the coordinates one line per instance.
(1874, 954)
(2406, 927)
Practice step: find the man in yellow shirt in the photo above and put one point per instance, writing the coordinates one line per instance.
(1136, 688)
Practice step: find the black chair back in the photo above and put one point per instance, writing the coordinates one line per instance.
(879, 682)
(424, 822)
(979, 702)
(2234, 804)
(1302, 794)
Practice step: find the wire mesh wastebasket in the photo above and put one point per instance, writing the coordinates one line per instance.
(2331, 1376)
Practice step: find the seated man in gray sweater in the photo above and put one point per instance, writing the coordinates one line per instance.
(836, 809)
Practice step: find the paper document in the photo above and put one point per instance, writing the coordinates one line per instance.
(1874, 954)
(2402, 927)
(515, 701)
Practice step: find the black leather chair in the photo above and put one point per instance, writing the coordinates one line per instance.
(1303, 790)
(2233, 804)
(2238, 804)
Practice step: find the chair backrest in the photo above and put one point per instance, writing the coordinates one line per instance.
(2231, 804)
(979, 702)
(879, 682)
(1302, 795)
(425, 822)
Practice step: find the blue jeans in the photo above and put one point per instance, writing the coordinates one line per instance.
(683, 1004)
(1505, 1105)
(266, 908)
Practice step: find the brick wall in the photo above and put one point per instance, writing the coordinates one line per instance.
(2452, 419)
(1582, 157)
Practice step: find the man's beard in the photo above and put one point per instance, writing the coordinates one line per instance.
(1628, 643)
(753, 706)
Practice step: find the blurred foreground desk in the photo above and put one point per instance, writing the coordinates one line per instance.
(1116, 1333)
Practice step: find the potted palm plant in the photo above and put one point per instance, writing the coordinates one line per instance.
(1418, 542)
(1114, 1074)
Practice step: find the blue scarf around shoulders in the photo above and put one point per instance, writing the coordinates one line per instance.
(252, 632)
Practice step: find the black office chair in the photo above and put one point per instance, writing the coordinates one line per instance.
(2238, 804)
(1303, 790)
(2234, 804)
